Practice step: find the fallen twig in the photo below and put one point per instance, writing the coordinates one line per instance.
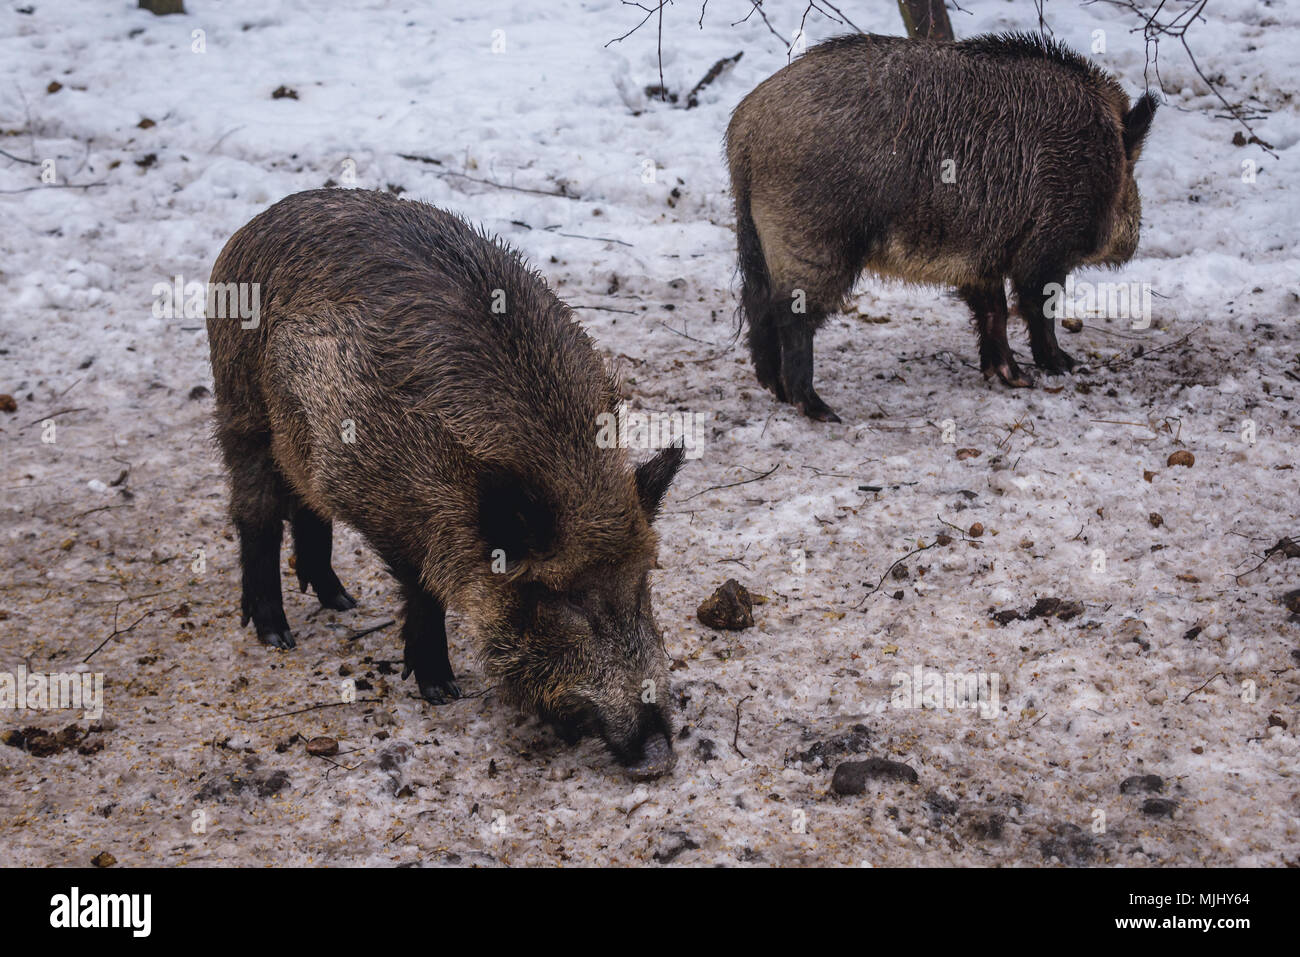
(1217, 674)
(50, 416)
(715, 488)
(1289, 547)
(562, 194)
(32, 189)
(880, 584)
(119, 631)
(735, 736)
(315, 707)
(371, 630)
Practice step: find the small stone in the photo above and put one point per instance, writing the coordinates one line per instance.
(729, 608)
(323, 747)
(1044, 608)
(976, 530)
(1182, 457)
(963, 454)
(103, 859)
(1156, 519)
(1072, 325)
(8, 403)
(851, 777)
(1159, 807)
(1142, 782)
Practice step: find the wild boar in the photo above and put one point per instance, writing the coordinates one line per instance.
(957, 164)
(415, 379)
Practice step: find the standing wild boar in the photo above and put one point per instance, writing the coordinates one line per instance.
(958, 164)
(416, 380)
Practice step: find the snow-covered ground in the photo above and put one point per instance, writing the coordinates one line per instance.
(1175, 667)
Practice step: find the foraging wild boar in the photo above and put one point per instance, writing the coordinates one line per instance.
(416, 380)
(957, 164)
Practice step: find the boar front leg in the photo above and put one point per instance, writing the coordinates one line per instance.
(1032, 297)
(424, 632)
(313, 544)
(988, 305)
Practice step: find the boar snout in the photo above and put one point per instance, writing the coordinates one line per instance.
(647, 752)
(657, 758)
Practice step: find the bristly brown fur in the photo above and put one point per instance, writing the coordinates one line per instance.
(473, 397)
(837, 165)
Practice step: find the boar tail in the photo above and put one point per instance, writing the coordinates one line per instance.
(1137, 122)
(755, 293)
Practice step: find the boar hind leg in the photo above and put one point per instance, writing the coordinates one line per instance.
(988, 305)
(313, 543)
(796, 337)
(765, 349)
(1032, 297)
(424, 632)
(257, 503)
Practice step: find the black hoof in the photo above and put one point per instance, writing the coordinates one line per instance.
(439, 692)
(339, 601)
(814, 408)
(1011, 375)
(268, 618)
(1057, 362)
(1064, 363)
(277, 639)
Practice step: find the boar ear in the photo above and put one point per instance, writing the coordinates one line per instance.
(514, 516)
(1137, 122)
(654, 477)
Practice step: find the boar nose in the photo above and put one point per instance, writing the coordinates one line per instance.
(649, 753)
(656, 758)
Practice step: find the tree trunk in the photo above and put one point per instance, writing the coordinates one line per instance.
(926, 18)
(161, 7)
